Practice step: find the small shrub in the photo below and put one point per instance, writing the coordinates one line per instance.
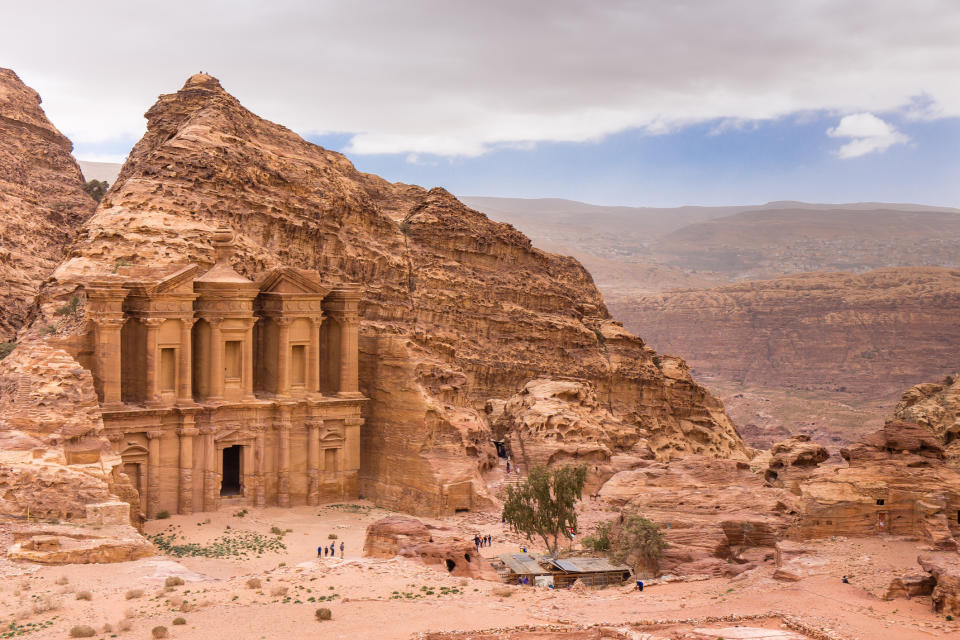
(332, 536)
(45, 603)
(173, 581)
(63, 580)
(324, 614)
(186, 607)
(159, 632)
(254, 583)
(69, 308)
(503, 592)
(949, 618)
(163, 515)
(279, 591)
(107, 628)
(179, 621)
(84, 595)
(277, 531)
(6, 348)
(82, 631)
(657, 362)
(124, 625)
(134, 593)
(47, 329)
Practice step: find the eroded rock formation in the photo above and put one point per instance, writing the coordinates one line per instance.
(457, 309)
(41, 199)
(435, 547)
(935, 405)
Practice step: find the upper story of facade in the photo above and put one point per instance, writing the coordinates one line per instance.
(177, 336)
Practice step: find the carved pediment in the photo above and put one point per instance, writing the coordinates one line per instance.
(296, 281)
(179, 281)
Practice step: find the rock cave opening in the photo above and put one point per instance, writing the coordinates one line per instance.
(230, 484)
(451, 565)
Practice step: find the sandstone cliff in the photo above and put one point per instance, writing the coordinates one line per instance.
(935, 405)
(871, 333)
(41, 199)
(457, 309)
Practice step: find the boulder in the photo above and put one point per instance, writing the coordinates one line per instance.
(945, 569)
(910, 585)
(435, 547)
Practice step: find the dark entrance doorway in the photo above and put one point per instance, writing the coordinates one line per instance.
(501, 448)
(232, 460)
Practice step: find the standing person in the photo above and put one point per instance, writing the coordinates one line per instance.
(341, 549)
(325, 550)
(476, 542)
(319, 551)
(333, 549)
(508, 466)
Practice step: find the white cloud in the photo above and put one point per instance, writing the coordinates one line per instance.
(867, 134)
(457, 78)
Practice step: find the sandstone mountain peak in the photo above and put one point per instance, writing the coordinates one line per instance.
(457, 311)
(41, 199)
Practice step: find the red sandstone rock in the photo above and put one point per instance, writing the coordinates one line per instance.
(945, 569)
(935, 405)
(41, 199)
(433, 546)
(457, 309)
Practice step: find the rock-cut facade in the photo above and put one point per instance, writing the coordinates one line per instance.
(220, 390)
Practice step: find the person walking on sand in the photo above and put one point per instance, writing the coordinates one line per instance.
(341, 549)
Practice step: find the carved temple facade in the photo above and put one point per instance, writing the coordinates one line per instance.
(216, 389)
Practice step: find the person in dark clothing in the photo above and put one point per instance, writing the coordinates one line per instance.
(639, 585)
(341, 549)
(319, 551)
(325, 550)
(333, 550)
(845, 581)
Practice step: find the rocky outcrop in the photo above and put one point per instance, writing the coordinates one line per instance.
(111, 541)
(562, 422)
(896, 482)
(457, 309)
(873, 333)
(435, 547)
(716, 515)
(787, 462)
(945, 569)
(55, 459)
(42, 201)
(935, 405)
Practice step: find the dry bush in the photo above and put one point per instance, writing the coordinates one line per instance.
(324, 614)
(22, 614)
(279, 591)
(62, 580)
(107, 628)
(186, 607)
(173, 581)
(45, 603)
(179, 621)
(159, 632)
(84, 595)
(130, 613)
(254, 583)
(502, 592)
(175, 601)
(124, 625)
(134, 593)
(82, 631)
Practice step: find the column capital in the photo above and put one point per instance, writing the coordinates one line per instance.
(315, 423)
(208, 429)
(188, 321)
(316, 321)
(188, 431)
(153, 435)
(282, 321)
(108, 321)
(152, 321)
(213, 321)
(354, 422)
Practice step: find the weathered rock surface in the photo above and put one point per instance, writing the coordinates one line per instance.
(562, 422)
(935, 405)
(65, 544)
(896, 482)
(871, 333)
(42, 201)
(910, 585)
(945, 569)
(55, 458)
(787, 462)
(436, 547)
(457, 309)
(710, 511)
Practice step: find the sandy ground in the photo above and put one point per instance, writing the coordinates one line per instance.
(397, 598)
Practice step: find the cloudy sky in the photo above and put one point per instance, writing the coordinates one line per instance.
(644, 102)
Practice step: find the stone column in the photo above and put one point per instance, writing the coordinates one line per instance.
(283, 459)
(349, 354)
(313, 461)
(260, 493)
(283, 357)
(247, 380)
(211, 484)
(313, 356)
(186, 433)
(216, 359)
(109, 363)
(185, 365)
(152, 359)
(153, 473)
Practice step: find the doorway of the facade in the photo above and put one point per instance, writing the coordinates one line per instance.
(132, 469)
(232, 462)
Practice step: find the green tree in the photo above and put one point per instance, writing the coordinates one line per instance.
(545, 504)
(637, 536)
(96, 189)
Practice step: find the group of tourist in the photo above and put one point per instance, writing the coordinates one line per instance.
(482, 541)
(330, 551)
